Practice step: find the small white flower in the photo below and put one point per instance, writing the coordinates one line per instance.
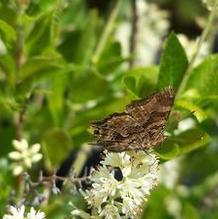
(81, 213)
(33, 214)
(121, 160)
(21, 145)
(190, 48)
(116, 159)
(17, 170)
(110, 211)
(24, 155)
(211, 4)
(130, 208)
(185, 125)
(131, 188)
(104, 186)
(169, 173)
(15, 213)
(18, 213)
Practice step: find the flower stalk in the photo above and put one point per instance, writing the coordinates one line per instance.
(201, 40)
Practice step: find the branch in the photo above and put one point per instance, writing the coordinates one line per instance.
(133, 32)
(203, 37)
(107, 31)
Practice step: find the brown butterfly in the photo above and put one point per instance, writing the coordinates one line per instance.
(139, 127)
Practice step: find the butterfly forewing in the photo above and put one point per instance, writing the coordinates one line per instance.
(139, 127)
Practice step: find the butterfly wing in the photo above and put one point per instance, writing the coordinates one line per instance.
(152, 113)
(140, 126)
(116, 131)
(158, 104)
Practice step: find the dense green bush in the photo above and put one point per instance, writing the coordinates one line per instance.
(62, 65)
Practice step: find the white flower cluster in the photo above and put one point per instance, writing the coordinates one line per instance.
(190, 47)
(169, 173)
(211, 4)
(24, 155)
(152, 26)
(18, 213)
(113, 198)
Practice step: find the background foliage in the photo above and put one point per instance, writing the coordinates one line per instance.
(62, 66)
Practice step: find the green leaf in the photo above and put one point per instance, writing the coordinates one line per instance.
(39, 37)
(38, 65)
(194, 109)
(202, 179)
(56, 146)
(8, 66)
(87, 40)
(210, 126)
(56, 96)
(189, 212)
(204, 78)
(110, 59)
(157, 200)
(7, 13)
(78, 45)
(85, 86)
(7, 182)
(69, 46)
(141, 81)
(7, 133)
(185, 142)
(173, 63)
(7, 33)
(35, 69)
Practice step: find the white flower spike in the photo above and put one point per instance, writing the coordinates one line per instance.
(121, 198)
(211, 4)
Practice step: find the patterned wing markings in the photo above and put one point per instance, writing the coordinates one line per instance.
(139, 127)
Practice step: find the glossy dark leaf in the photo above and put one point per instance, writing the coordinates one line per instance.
(140, 82)
(185, 142)
(56, 146)
(204, 79)
(173, 63)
